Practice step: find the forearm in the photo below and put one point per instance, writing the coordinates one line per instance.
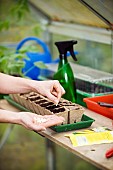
(30, 120)
(10, 84)
(51, 89)
(9, 117)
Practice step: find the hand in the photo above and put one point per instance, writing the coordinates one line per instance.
(38, 123)
(51, 89)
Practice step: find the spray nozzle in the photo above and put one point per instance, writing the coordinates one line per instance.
(64, 47)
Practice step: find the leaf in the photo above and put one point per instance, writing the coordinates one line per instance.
(16, 65)
(4, 25)
(15, 68)
(3, 64)
(19, 56)
(24, 49)
(3, 59)
(40, 64)
(3, 50)
(28, 48)
(19, 9)
(33, 48)
(37, 29)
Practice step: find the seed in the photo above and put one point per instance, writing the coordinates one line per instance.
(39, 120)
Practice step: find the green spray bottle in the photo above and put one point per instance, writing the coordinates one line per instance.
(64, 73)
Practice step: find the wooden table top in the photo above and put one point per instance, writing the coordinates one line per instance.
(94, 154)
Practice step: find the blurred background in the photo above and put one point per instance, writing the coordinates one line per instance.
(51, 21)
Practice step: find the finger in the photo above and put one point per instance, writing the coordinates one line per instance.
(58, 90)
(54, 93)
(51, 123)
(53, 117)
(38, 128)
(62, 90)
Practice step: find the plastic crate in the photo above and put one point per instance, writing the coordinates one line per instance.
(92, 104)
(81, 95)
(86, 79)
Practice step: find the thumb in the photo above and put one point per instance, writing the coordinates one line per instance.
(38, 128)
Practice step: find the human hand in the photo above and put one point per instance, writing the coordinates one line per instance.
(38, 123)
(51, 89)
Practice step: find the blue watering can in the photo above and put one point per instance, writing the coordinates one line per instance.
(30, 70)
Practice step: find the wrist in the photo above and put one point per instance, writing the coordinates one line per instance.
(10, 117)
(35, 85)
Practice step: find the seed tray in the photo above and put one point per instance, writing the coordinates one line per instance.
(39, 104)
(84, 123)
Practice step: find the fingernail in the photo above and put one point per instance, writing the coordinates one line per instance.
(44, 128)
(56, 102)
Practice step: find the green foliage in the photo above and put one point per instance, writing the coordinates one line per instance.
(4, 25)
(11, 62)
(19, 9)
(40, 65)
(30, 48)
(16, 13)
